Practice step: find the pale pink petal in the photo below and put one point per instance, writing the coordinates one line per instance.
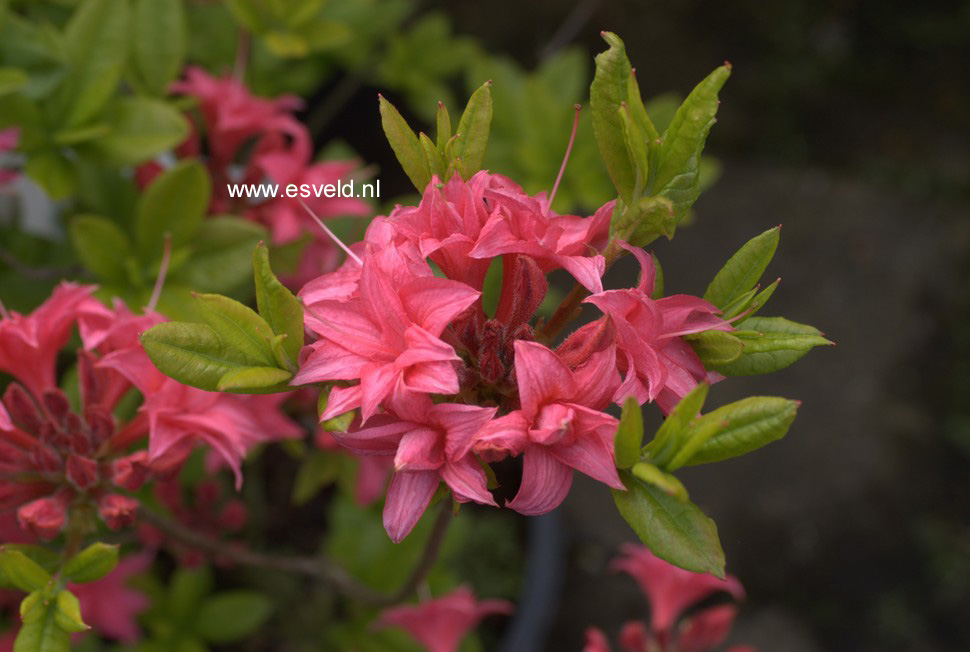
(408, 496)
(466, 478)
(541, 376)
(420, 449)
(545, 483)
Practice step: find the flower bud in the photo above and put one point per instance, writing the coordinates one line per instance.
(43, 517)
(116, 510)
(130, 472)
(22, 408)
(82, 472)
(57, 405)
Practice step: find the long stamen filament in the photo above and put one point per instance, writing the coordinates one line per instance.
(565, 159)
(330, 233)
(162, 273)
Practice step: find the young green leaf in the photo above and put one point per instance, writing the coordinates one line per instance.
(12, 80)
(41, 630)
(443, 133)
(676, 531)
(678, 162)
(667, 440)
(743, 426)
(174, 203)
(436, 162)
(192, 354)
(21, 571)
(636, 149)
(405, 144)
(472, 133)
(715, 347)
(660, 479)
(158, 42)
(255, 380)
(239, 327)
(277, 305)
(92, 563)
(102, 247)
(67, 613)
(644, 221)
(609, 90)
(742, 271)
(629, 434)
(141, 127)
(229, 617)
(770, 344)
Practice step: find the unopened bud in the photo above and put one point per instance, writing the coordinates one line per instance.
(57, 405)
(82, 472)
(117, 511)
(43, 517)
(22, 408)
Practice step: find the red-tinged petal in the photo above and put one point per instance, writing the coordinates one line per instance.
(376, 382)
(380, 300)
(420, 449)
(706, 629)
(327, 360)
(587, 270)
(541, 375)
(634, 637)
(432, 303)
(346, 324)
(379, 437)
(423, 346)
(43, 517)
(495, 239)
(648, 271)
(461, 423)
(466, 479)
(506, 435)
(341, 400)
(596, 641)
(592, 450)
(339, 285)
(545, 483)
(597, 379)
(408, 496)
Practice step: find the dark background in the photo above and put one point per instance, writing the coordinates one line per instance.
(847, 122)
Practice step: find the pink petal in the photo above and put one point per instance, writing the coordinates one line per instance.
(541, 376)
(466, 478)
(545, 483)
(420, 449)
(432, 303)
(408, 496)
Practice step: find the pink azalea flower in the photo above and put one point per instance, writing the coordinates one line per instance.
(388, 337)
(442, 623)
(671, 590)
(658, 364)
(426, 445)
(525, 225)
(560, 426)
(596, 641)
(29, 345)
(109, 606)
(8, 142)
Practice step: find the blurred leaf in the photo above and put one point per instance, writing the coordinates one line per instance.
(37, 50)
(141, 127)
(609, 90)
(742, 271)
(158, 42)
(12, 80)
(231, 616)
(41, 630)
(101, 246)
(743, 426)
(277, 305)
(770, 344)
(678, 164)
(629, 434)
(677, 531)
(318, 470)
(67, 613)
(54, 172)
(21, 571)
(405, 144)
(221, 259)
(472, 133)
(96, 46)
(173, 203)
(92, 563)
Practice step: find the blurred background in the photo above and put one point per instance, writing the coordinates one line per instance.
(845, 121)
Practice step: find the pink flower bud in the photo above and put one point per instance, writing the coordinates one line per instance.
(116, 510)
(43, 517)
(100, 425)
(130, 472)
(56, 403)
(22, 408)
(82, 472)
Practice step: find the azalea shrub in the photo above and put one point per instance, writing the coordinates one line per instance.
(219, 370)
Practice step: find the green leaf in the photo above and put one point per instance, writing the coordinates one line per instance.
(286, 45)
(609, 90)
(644, 222)
(770, 344)
(239, 327)
(54, 172)
(67, 613)
(221, 259)
(21, 571)
(96, 44)
(277, 305)
(629, 434)
(667, 441)
(92, 563)
(436, 162)
(636, 149)
(443, 133)
(101, 246)
(231, 616)
(715, 347)
(79, 135)
(678, 162)
(744, 426)
(192, 354)
(174, 203)
(247, 379)
(141, 127)
(405, 144)
(41, 630)
(317, 471)
(472, 133)
(660, 479)
(676, 531)
(158, 42)
(742, 271)
(12, 80)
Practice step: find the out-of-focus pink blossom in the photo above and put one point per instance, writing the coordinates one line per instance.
(442, 623)
(658, 365)
(109, 605)
(560, 427)
(8, 142)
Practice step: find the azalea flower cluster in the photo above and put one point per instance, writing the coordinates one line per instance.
(61, 455)
(444, 388)
(254, 140)
(673, 593)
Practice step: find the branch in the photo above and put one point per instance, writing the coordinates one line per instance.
(318, 568)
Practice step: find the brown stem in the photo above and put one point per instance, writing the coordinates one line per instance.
(319, 568)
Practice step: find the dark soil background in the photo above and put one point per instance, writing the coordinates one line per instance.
(848, 122)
